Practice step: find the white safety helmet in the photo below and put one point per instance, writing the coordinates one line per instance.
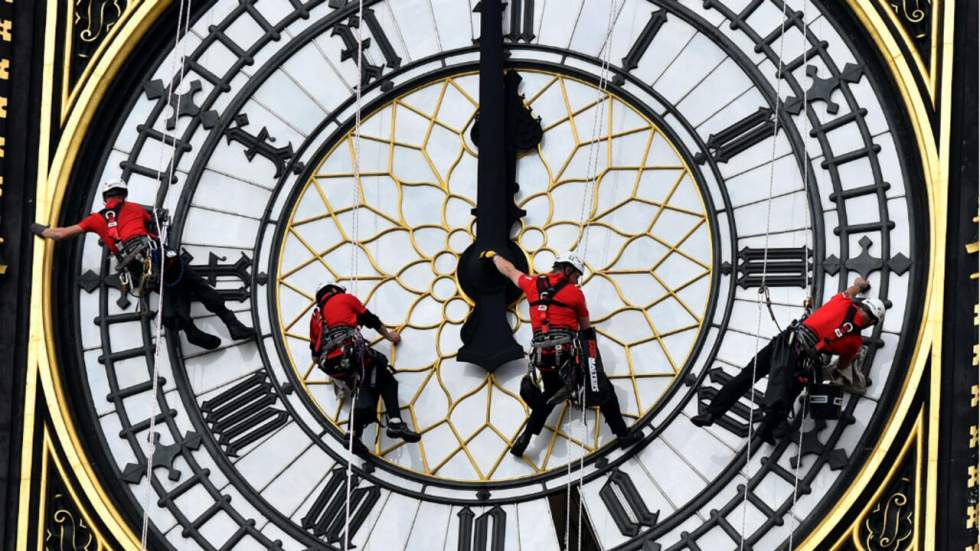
(571, 259)
(875, 307)
(114, 185)
(328, 282)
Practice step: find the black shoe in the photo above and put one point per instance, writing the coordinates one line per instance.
(517, 449)
(236, 329)
(629, 439)
(703, 419)
(197, 337)
(399, 429)
(782, 430)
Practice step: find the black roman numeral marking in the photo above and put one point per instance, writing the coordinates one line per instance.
(392, 60)
(326, 517)
(780, 267)
(736, 420)
(243, 413)
(632, 59)
(261, 144)
(369, 71)
(476, 535)
(521, 21)
(740, 136)
(240, 270)
(625, 504)
(565, 508)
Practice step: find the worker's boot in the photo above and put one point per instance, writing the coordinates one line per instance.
(236, 328)
(520, 445)
(197, 337)
(399, 429)
(703, 419)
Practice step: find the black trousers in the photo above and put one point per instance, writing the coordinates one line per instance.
(552, 384)
(741, 383)
(190, 288)
(377, 382)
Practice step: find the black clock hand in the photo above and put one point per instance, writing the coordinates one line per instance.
(505, 126)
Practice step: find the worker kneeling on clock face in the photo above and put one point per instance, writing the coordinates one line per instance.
(564, 362)
(126, 230)
(340, 350)
(796, 356)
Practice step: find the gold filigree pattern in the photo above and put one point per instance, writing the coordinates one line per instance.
(64, 523)
(647, 248)
(889, 526)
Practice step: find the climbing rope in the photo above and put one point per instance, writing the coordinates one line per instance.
(765, 265)
(183, 26)
(588, 199)
(354, 269)
(806, 271)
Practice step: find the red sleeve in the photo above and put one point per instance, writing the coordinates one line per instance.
(581, 310)
(525, 282)
(90, 223)
(356, 305)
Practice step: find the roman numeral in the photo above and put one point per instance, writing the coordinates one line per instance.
(369, 71)
(261, 144)
(392, 60)
(240, 270)
(625, 505)
(243, 413)
(740, 136)
(327, 516)
(780, 267)
(521, 21)
(479, 535)
(566, 508)
(736, 420)
(632, 59)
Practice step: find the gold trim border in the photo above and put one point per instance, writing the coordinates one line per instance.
(52, 183)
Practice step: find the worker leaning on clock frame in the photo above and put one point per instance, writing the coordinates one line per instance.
(339, 349)
(564, 362)
(126, 230)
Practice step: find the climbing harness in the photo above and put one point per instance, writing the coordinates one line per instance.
(183, 27)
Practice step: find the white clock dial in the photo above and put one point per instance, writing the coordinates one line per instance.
(687, 150)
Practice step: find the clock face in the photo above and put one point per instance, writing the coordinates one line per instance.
(650, 267)
(681, 180)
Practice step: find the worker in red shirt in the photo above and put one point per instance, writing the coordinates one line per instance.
(791, 357)
(124, 229)
(564, 356)
(339, 350)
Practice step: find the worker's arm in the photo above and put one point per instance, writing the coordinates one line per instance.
(56, 233)
(859, 286)
(369, 319)
(583, 323)
(505, 267)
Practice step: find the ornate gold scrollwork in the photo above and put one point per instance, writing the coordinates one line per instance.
(911, 10)
(890, 525)
(95, 18)
(66, 529)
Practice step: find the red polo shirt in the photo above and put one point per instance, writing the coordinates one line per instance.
(559, 316)
(129, 223)
(824, 320)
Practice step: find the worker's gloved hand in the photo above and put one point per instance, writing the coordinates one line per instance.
(163, 215)
(38, 229)
(488, 254)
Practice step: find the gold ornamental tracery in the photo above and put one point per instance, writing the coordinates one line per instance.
(648, 253)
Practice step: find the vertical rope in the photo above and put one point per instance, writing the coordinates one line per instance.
(806, 268)
(183, 26)
(765, 264)
(354, 247)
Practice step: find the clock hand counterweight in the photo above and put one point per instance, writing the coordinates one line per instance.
(505, 127)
